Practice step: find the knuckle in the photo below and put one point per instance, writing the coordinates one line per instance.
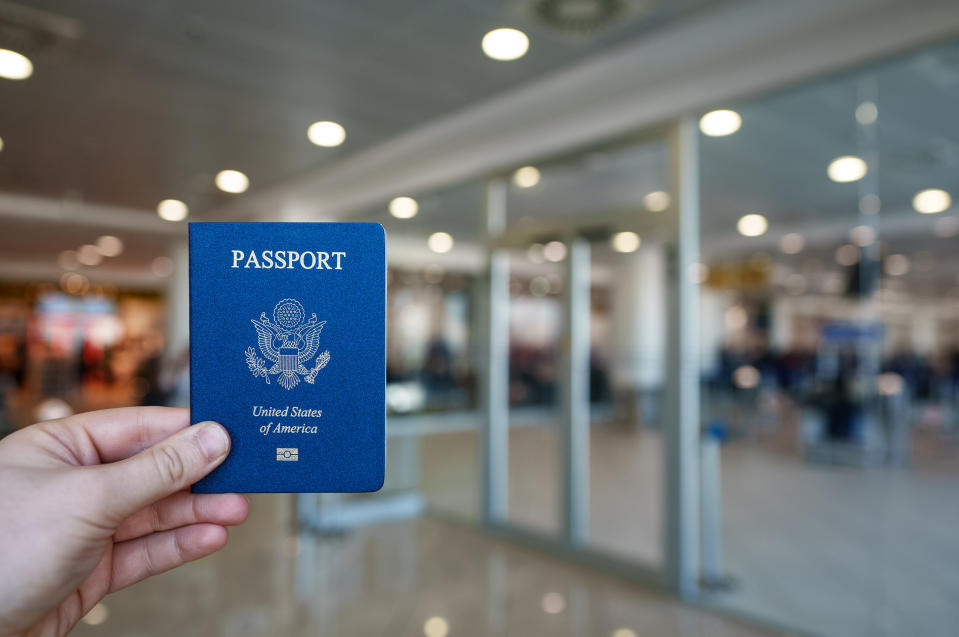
(170, 464)
(178, 551)
(156, 518)
(147, 560)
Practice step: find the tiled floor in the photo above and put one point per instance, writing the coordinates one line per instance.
(834, 551)
(842, 551)
(416, 577)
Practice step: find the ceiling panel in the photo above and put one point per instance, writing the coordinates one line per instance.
(153, 98)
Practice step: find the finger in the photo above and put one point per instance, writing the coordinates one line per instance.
(144, 557)
(182, 509)
(125, 487)
(116, 434)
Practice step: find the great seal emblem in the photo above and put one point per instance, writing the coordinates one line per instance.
(289, 343)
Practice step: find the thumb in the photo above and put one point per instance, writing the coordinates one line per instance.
(163, 469)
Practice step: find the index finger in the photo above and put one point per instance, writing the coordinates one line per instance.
(120, 433)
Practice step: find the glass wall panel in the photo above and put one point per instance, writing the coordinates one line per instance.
(829, 317)
(433, 354)
(615, 198)
(535, 334)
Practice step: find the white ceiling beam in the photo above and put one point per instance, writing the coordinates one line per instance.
(26, 271)
(411, 252)
(899, 225)
(737, 50)
(64, 212)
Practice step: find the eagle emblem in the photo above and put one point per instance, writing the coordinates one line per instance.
(289, 343)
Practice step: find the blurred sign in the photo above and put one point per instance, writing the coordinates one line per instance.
(755, 273)
(65, 320)
(851, 333)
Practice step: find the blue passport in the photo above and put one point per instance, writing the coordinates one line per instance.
(288, 352)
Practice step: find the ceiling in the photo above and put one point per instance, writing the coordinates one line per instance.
(774, 165)
(134, 102)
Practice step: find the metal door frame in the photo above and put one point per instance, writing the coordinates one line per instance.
(680, 497)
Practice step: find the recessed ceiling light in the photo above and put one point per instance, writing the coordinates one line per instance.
(172, 210)
(553, 603)
(752, 225)
(232, 181)
(720, 123)
(505, 44)
(404, 207)
(326, 134)
(847, 168)
(526, 177)
(14, 66)
(832, 283)
(554, 251)
(625, 242)
(656, 201)
(436, 627)
(890, 383)
(867, 113)
(535, 253)
(162, 267)
(110, 246)
(896, 265)
(97, 615)
(539, 286)
(792, 243)
(931, 201)
(89, 255)
(862, 236)
(74, 283)
(68, 260)
(847, 255)
(736, 318)
(746, 377)
(440, 242)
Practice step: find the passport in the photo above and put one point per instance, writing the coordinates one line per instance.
(288, 352)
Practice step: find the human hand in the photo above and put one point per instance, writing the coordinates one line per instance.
(96, 502)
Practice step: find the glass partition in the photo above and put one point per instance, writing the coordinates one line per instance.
(614, 199)
(535, 336)
(828, 317)
(433, 352)
(829, 352)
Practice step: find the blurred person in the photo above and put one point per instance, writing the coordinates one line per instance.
(174, 381)
(600, 387)
(438, 367)
(98, 501)
(149, 377)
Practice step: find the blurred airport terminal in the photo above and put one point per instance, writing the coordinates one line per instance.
(673, 298)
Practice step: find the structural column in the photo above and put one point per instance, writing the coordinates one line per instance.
(639, 331)
(494, 373)
(682, 426)
(575, 397)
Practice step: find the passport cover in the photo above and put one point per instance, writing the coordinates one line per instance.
(288, 352)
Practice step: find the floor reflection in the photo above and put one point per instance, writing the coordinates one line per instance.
(414, 577)
(836, 550)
